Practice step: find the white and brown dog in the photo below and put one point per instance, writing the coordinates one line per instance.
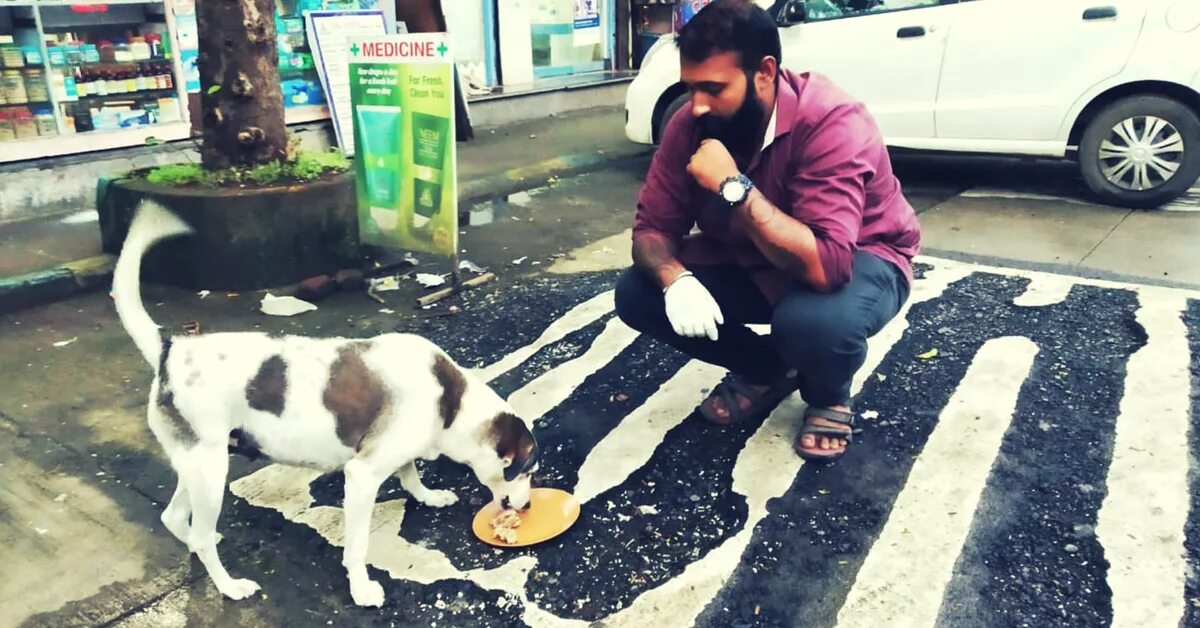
(370, 407)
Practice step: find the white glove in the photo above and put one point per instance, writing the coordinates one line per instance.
(691, 309)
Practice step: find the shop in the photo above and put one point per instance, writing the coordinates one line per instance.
(78, 77)
(85, 77)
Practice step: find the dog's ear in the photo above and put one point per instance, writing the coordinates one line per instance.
(514, 444)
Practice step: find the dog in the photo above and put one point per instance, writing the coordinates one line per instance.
(370, 407)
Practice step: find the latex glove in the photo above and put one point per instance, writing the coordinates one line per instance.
(691, 309)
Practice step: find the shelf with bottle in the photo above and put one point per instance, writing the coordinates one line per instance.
(148, 93)
(71, 49)
(21, 122)
(110, 115)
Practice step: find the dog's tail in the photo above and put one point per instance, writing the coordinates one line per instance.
(152, 223)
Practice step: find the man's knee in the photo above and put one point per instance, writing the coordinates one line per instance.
(638, 300)
(804, 330)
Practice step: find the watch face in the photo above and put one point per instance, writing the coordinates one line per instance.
(733, 191)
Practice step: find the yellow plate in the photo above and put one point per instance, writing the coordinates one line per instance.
(551, 512)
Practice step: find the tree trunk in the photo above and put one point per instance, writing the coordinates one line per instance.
(240, 98)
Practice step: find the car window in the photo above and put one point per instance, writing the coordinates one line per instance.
(821, 10)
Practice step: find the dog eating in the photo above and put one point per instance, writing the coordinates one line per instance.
(370, 407)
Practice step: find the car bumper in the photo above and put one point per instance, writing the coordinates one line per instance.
(640, 100)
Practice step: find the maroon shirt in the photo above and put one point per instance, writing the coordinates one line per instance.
(827, 166)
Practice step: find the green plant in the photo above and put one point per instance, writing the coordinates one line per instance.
(306, 166)
(309, 166)
(180, 174)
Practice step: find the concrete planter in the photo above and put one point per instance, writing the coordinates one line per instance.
(246, 239)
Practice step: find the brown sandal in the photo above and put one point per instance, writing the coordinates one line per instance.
(810, 429)
(731, 387)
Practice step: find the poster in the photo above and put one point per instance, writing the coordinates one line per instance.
(402, 97)
(587, 22)
(189, 43)
(328, 32)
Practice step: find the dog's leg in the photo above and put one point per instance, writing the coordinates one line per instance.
(176, 514)
(362, 485)
(204, 472)
(410, 480)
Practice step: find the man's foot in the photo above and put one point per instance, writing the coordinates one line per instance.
(733, 399)
(826, 433)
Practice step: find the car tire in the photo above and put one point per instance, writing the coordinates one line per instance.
(668, 113)
(1141, 152)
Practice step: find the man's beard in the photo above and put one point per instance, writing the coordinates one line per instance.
(742, 130)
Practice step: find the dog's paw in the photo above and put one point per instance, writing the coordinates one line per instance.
(240, 589)
(367, 593)
(438, 499)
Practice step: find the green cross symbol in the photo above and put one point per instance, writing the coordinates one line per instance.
(354, 49)
(442, 49)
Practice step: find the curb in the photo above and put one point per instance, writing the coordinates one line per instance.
(20, 292)
(46, 286)
(537, 175)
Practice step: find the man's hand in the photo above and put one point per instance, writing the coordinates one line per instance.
(711, 165)
(692, 311)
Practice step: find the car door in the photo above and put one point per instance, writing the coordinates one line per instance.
(1014, 68)
(886, 54)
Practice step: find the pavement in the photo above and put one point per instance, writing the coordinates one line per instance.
(1030, 426)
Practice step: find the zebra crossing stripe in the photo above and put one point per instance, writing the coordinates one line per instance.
(1141, 522)
(575, 319)
(1189, 202)
(547, 391)
(629, 445)
(903, 578)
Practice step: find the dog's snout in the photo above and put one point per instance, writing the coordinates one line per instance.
(507, 504)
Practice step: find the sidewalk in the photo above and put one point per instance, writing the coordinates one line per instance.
(47, 258)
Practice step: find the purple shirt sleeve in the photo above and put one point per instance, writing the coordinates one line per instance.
(662, 205)
(828, 189)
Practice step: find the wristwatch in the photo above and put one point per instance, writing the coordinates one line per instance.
(735, 190)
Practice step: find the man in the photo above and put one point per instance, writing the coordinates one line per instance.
(802, 225)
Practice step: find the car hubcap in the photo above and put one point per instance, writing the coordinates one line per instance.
(1141, 153)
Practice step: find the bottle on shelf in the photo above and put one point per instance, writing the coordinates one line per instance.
(35, 85)
(12, 83)
(8, 132)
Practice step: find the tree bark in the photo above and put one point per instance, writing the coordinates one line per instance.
(240, 95)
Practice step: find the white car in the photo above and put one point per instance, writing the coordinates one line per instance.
(1113, 84)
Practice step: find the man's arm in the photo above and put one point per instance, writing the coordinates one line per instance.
(786, 242)
(814, 240)
(657, 256)
(663, 218)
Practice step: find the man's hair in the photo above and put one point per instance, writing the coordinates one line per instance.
(730, 26)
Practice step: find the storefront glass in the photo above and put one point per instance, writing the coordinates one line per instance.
(569, 36)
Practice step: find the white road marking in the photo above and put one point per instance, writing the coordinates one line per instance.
(906, 571)
(1141, 522)
(553, 387)
(632, 442)
(575, 319)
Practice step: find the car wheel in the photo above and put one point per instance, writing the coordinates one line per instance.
(668, 113)
(1141, 151)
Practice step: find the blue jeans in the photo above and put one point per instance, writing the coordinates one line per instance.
(822, 336)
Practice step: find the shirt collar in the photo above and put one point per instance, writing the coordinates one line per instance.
(769, 137)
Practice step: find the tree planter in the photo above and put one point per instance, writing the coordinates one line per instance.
(246, 238)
